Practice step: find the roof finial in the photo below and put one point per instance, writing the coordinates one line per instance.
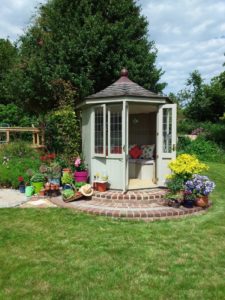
(124, 72)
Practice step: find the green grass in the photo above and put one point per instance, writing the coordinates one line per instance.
(60, 254)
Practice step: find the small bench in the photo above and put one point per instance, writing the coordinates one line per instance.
(142, 168)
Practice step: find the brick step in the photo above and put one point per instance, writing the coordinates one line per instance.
(141, 213)
(118, 196)
(137, 202)
(146, 213)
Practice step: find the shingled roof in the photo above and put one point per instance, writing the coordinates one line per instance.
(124, 87)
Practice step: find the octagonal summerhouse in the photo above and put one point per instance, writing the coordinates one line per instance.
(120, 117)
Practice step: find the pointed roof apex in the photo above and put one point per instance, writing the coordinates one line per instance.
(123, 77)
(124, 87)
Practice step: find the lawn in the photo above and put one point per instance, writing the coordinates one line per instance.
(60, 254)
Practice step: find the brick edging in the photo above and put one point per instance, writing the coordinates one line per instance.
(142, 214)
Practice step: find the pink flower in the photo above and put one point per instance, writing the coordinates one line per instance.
(77, 162)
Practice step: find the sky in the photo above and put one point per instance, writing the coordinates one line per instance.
(189, 34)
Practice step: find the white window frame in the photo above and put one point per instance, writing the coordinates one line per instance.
(169, 122)
(114, 155)
(104, 131)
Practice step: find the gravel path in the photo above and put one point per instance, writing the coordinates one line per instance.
(11, 198)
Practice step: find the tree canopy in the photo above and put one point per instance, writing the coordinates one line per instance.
(8, 56)
(79, 47)
(201, 101)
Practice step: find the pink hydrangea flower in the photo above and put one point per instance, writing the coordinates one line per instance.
(77, 162)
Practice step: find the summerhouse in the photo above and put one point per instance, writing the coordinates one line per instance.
(128, 135)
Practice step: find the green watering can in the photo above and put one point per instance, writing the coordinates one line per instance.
(29, 191)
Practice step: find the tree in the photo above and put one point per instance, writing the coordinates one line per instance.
(84, 44)
(195, 98)
(8, 56)
(203, 102)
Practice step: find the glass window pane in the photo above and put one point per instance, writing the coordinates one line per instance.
(167, 130)
(99, 134)
(116, 130)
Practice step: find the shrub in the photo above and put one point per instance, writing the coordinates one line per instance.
(14, 116)
(202, 148)
(183, 143)
(216, 132)
(16, 159)
(63, 133)
(187, 126)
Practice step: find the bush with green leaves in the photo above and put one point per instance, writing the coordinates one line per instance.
(175, 184)
(12, 115)
(63, 132)
(204, 149)
(15, 160)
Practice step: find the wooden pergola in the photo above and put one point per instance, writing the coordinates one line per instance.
(37, 134)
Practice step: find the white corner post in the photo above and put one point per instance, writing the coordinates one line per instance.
(125, 165)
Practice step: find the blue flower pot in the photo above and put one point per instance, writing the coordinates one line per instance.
(188, 203)
(22, 188)
(55, 181)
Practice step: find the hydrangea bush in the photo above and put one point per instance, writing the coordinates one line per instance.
(199, 185)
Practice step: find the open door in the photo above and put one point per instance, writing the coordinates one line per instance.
(125, 136)
(166, 140)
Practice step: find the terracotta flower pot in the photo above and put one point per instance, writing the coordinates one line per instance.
(202, 201)
(101, 186)
(42, 192)
(67, 170)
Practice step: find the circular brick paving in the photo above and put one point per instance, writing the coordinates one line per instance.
(146, 205)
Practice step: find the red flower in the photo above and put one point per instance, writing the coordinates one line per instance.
(51, 155)
(43, 158)
(20, 179)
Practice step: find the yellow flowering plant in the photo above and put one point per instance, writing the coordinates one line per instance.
(187, 165)
(183, 168)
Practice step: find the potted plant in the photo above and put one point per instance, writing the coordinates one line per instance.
(55, 173)
(37, 181)
(100, 182)
(201, 187)
(67, 181)
(81, 172)
(21, 184)
(189, 199)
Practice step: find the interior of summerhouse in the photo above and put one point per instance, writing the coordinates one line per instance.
(142, 146)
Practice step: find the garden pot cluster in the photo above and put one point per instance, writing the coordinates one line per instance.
(52, 180)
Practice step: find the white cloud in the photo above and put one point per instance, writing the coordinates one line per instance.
(189, 35)
(15, 15)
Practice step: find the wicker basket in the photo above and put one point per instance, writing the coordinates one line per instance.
(76, 196)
